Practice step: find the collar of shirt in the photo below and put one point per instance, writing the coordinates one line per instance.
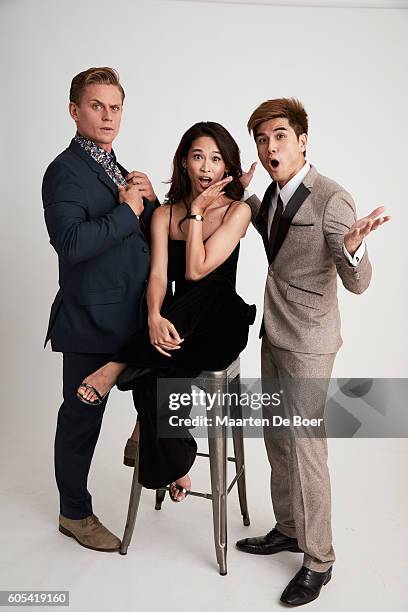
(102, 157)
(95, 150)
(287, 191)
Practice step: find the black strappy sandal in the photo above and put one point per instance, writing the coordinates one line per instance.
(96, 402)
(179, 488)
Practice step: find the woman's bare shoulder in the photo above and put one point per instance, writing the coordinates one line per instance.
(239, 208)
(162, 212)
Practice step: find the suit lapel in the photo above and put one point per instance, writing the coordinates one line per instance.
(95, 167)
(122, 169)
(290, 211)
(261, 221)
(102, 176)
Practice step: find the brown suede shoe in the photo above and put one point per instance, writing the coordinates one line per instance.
(131, 450)
(89, 532)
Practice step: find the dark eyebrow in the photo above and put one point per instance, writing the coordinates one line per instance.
(99, 102)
(201, 151)
(274, 130)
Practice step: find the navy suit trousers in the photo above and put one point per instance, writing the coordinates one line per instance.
(77, 433)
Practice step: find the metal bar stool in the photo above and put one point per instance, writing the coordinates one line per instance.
(223, 381)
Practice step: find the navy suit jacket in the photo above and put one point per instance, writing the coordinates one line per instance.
(103, 256)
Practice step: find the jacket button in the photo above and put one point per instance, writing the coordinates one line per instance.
(145, 249)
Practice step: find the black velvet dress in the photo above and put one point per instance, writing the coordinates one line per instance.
(214, 322)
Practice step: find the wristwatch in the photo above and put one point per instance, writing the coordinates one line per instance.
(196, 217)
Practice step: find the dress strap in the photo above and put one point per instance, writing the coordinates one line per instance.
(171, 214)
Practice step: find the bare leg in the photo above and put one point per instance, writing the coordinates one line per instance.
(103, 380)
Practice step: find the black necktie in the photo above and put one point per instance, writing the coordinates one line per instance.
(275, 223)
(143, 230)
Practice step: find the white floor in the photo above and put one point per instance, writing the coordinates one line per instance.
(171, 561)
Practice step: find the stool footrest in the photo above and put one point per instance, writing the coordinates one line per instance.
(234, 480)
(209, 495)
(207, 455)
(196, 493)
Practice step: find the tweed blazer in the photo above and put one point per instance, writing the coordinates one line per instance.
(301, 311)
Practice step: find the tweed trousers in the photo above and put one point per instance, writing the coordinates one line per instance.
(300, 481)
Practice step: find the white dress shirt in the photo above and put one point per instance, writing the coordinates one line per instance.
(287, 192)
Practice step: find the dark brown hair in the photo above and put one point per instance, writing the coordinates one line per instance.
(92, 76)
(288, 108)
(180, 184)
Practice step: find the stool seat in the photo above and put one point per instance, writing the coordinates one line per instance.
(211, 381)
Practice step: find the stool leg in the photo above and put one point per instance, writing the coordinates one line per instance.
(238, 441)
(217, 450)
(160, 495)
(134, 499)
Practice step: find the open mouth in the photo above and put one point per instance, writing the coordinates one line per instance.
(205, 181)
(274, 163)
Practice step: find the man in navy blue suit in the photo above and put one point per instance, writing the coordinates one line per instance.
(98, 217)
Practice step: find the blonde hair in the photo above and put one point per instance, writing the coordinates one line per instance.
(99, 76)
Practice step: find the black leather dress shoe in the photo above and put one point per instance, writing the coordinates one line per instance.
(305, 586)
(273, 542)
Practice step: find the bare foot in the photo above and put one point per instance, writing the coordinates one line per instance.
(102, 380)
(184, 482)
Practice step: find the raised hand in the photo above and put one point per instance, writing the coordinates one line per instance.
(362, 228)
(208, 196)
(132, 196)
(246, 177)
(142, 181)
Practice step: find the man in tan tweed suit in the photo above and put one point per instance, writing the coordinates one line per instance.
(309, 229)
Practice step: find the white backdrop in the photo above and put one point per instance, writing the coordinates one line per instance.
(182, 62)
(386, 4)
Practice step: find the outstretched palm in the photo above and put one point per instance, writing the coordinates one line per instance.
(362, 228)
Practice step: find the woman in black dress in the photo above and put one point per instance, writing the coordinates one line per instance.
(204, 324)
